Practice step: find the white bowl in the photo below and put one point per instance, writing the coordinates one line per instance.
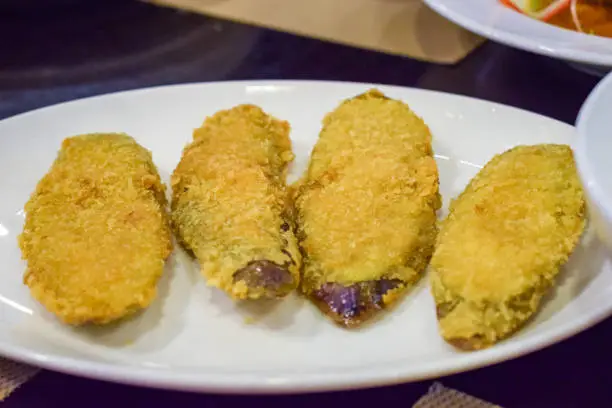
(593, 156)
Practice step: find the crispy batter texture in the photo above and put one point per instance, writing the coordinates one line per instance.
(96, 233)
(367, 203)
(503, 242)
(230, 205)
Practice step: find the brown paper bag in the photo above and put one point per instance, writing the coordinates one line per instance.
(402, 27)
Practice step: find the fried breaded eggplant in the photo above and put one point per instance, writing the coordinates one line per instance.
(96, 233)
(230, 204)
(503, 243)
(366, 208)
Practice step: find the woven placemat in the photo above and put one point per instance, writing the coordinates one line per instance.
(12, 375)
(441, 397)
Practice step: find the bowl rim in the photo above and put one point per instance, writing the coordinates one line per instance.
(588, 175)
(566, 45)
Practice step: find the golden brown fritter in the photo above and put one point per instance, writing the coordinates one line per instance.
(367, 207)
(230, 205)
(96, 233)
(503, 242)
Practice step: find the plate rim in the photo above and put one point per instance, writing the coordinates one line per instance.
(248, 382)
(567, 53)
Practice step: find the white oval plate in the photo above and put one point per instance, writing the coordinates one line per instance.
(193, 337)
(492, 20)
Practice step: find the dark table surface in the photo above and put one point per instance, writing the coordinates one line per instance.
(53, 55)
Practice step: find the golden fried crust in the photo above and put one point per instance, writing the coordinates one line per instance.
(96, 233)
(503, 242)
(230, 204)
(367, 203)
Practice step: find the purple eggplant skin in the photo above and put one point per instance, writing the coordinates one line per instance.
(265, 276)
(352, 305)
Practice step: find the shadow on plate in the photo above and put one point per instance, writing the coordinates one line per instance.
(266, 314)
(453, 175)
(395, 310)
(154, 327)
(582, 268)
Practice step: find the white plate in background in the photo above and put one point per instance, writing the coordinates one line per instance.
(193, 337)
(492, 20)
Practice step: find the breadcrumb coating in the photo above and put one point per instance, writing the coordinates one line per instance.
(230, 205)
(367, 207)
(503, 242)
(96, 234)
